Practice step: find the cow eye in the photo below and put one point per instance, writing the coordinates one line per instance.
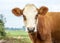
(24, 17)
(36, 16)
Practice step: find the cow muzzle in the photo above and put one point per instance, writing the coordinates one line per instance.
(31, 30)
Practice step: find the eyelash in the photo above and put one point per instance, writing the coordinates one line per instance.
(36, 16)
(24, 17)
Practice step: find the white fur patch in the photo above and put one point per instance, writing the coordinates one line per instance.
(30, 12)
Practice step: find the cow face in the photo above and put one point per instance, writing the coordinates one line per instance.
(30, 14)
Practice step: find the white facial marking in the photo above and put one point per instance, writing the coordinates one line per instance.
(30, 12)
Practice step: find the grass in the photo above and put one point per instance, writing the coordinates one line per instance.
(16, 33)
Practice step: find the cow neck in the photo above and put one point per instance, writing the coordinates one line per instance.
(40, 26)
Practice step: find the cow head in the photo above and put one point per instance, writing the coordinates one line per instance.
(30, 14)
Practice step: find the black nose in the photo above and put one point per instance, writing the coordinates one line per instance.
(31, 29)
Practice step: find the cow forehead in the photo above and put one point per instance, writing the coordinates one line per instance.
(30, 10)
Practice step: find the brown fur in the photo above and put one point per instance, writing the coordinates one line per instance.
(48, 28)
(43, 10)
(17, 11)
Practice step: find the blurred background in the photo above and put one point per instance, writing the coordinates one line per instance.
(12, 27)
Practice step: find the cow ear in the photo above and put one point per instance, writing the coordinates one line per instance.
(43, 10)
(17, 11)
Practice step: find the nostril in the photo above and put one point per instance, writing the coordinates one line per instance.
(28, 28)
(34, 28)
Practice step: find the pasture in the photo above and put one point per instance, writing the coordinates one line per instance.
(16, 36)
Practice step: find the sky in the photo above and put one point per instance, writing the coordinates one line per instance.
(17, 22)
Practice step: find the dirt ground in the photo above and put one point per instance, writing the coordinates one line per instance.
(13, 40)
(10, 41)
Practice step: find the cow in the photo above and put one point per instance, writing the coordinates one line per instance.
(42, 26)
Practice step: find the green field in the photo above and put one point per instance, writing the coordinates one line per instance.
(18, 33)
